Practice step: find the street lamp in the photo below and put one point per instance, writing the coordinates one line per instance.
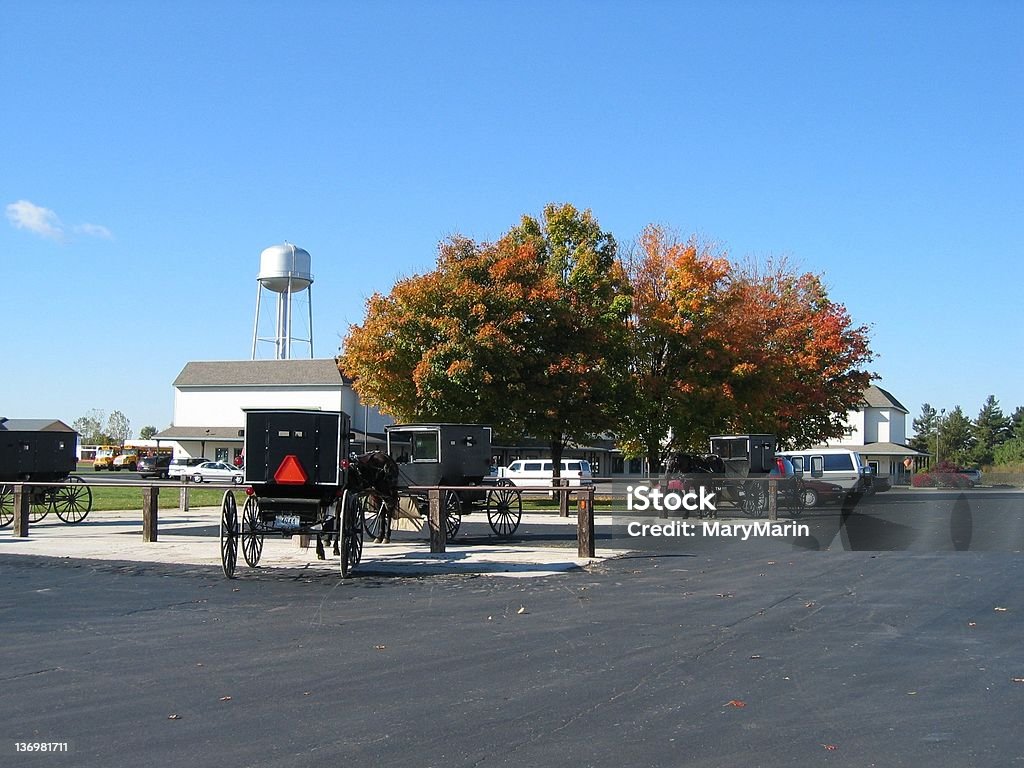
(938, 428)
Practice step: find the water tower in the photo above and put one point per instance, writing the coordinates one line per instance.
(284, 270)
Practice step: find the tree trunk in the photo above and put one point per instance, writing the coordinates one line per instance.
(654, 458)
(556, 456)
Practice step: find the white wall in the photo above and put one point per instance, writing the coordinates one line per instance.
(218, 407)
(222, 407)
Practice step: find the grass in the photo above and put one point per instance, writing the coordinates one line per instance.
(111, 498)
(107, 498)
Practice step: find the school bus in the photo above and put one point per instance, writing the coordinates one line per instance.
(105, 455)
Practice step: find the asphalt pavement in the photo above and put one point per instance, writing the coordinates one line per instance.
(671, 651)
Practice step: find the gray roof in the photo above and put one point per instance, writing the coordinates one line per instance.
(884, 449)
(876, 397)
(260, 373)
(200, 433)
(34, 425)
(231, 434)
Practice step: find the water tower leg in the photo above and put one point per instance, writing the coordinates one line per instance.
(256, 322)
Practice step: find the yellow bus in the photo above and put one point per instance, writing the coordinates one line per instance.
(105, 455)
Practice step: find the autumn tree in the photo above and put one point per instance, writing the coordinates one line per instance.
(803, 359)
(521, 334)
(718, 348)
(680, 353)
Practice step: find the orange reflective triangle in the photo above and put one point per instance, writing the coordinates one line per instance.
(290, 472)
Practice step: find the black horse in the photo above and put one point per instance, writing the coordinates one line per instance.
(373, 479)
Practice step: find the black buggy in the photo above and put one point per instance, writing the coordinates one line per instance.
(735, 471)
(41, 450)
(296, 470)
(454, 455)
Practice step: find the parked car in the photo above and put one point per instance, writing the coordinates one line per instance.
(818, 492)
(974, 475)
(216, 471)
(180, 467)
(155, 466)
(539, 473)
(842, 466)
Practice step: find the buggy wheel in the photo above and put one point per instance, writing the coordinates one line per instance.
(755, 499)
(351, 533)
(252, 539)
(453, 508)
(229, 534)
(73, 502)
(6, 505)
(795, 501)
(39, 505)
(504, 511)
(372, 509)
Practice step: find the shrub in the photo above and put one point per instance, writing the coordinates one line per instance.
(923, 480)
(944, 475)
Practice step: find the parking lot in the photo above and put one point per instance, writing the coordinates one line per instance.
(701, 651)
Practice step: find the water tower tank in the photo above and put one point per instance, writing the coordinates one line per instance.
(284, 265)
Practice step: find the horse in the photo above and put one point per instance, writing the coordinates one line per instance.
(373, 475)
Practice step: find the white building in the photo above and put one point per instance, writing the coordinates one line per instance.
(878, 430)
(210, 399)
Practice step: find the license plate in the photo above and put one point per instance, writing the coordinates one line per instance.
(286, 521)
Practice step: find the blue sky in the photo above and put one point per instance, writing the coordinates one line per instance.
(152, 150)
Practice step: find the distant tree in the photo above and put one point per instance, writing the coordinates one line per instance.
(990, 429)
(118, 427)
(925, 427)
(1017, 422)
(146, 433)
(957, 437)
(90, 428)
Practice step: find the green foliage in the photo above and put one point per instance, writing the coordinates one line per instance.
(957, 440)
(147, 432)
(90, 428)
(1010, 452)
(990, 429)
(924, 427)
(118, 427)
(525, 334)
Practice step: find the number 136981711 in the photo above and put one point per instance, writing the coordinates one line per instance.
(40, 746)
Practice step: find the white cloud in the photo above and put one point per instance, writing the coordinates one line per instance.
(35, 218)
(45, 223)
(94, 230)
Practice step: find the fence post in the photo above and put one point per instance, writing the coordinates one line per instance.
(183, 495)
(585, 523)
(773, 499)
(150, 505)
(21, 499)
(437, 520)
(563, 498)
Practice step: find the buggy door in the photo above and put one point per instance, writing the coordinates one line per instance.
(292, 447)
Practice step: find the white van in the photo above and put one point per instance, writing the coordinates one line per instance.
(540, 473)
(841, 466)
